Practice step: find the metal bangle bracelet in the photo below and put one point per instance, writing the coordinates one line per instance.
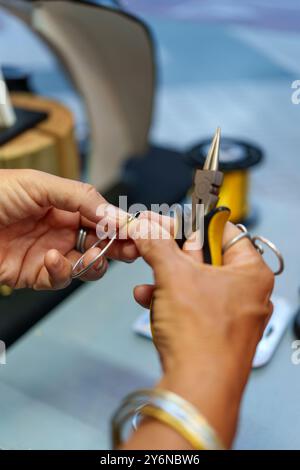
(79, 262)
(182, 416)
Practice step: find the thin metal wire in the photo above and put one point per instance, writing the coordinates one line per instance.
(79, 262)
(273, 248)
(236, 239)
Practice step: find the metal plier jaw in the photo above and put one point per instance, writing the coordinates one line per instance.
(206, 189)
(207, 184)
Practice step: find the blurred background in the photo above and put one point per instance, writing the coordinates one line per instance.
(150, 81)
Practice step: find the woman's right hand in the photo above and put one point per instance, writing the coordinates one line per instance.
(207, 321)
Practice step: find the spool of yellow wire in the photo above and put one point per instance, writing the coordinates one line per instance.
(236, 157)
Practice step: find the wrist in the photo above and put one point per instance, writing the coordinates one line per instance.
(215, 390)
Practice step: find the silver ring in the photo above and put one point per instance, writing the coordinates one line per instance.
(79, 262)
(236, 239)
(254, 239)
(273, 248)
(80, 243)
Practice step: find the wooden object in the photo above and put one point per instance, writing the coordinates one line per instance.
(50, 146)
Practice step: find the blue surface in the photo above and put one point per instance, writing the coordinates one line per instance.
(210, 54)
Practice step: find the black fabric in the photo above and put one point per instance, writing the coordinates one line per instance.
(25, 120)
(162, 175)
(16, 78)
(249, 154)
(22, 309)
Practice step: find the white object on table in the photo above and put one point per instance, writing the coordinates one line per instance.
(273, 333)
(7, 114)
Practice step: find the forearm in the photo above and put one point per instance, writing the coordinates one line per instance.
(206, 325)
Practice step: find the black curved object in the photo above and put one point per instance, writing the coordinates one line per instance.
(235, 154)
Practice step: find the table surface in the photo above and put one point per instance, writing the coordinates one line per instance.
(65, 377)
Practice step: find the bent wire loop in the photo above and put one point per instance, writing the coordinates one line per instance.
(78, 270)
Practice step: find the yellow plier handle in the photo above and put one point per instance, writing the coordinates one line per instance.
(214, 225)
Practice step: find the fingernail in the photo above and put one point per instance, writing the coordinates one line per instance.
(102, 232)
(99, 265)
(194, 241)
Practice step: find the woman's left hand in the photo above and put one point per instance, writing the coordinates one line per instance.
(40, 215)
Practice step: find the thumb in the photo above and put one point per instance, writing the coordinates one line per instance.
(193, 247)
(156, 245)
(58, 268)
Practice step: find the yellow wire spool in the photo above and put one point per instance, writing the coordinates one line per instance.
(234, 194)
(236, 157)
